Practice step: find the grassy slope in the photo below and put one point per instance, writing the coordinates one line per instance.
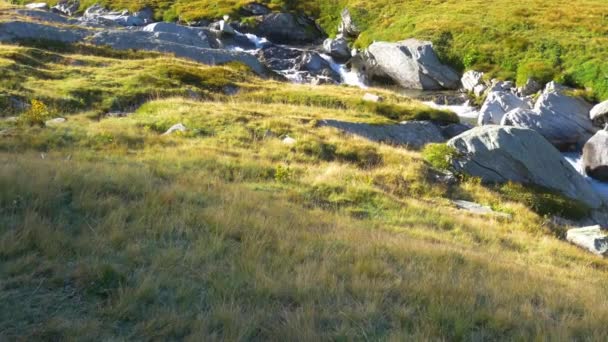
(565, 40)
(109, 230)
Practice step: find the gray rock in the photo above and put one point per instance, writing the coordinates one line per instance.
(372, 97)
(454, 130)
(46, 16)
(594, 239)
(599, 114)
(413, 134)
(347, 26)
(289, 141)
(497, 104)
(176, 128)
(180, 34)
(176, 44)
(146, 14)
(337, 48)
(531, 87)
(595, 156)
(471, 79)
(560, 118)
(97, 15)
(288, 28)
(55, 121)
(498, 85)
(477, 209)
(13, 31)
(255, 8)
(38, 6)
(411, 64)
(500, 154)
(480, 89)
(309, 65)
(67, 7)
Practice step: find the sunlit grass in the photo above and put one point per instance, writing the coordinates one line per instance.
(109, 230)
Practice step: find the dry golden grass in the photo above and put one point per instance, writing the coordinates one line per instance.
(109, 230)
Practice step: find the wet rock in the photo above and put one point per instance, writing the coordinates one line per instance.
(306, 65)
(413, 134)
(499, 154)
(337, 49)
(99, 16)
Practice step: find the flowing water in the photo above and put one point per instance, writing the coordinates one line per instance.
(444, 100)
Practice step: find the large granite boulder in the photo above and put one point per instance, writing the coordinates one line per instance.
(599, 114)
(413, 134)
(411, 64)
(497, 104)
(595, 156)
(500, 154)
(171, 43)
(560, 118)
(288, 28)
(347, 26)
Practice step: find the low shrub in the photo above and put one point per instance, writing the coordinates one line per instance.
(440, 156)
(36, 115)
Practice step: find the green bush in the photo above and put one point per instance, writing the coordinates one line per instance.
(440, 156)
(538, 70)
(36, 115)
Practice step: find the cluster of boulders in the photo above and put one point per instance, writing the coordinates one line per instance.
(565, 120)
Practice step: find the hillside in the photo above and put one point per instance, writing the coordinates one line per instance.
(256, 220)
(564, 40)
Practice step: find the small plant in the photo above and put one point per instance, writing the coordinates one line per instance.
(440, 156)
(36, 115)
(283, 174)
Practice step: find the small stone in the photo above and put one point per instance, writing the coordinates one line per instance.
(477, 209)
(176, 128)
(289, 141)
(38, 6)
(372, 98)
(55, 121)
(594, 239)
